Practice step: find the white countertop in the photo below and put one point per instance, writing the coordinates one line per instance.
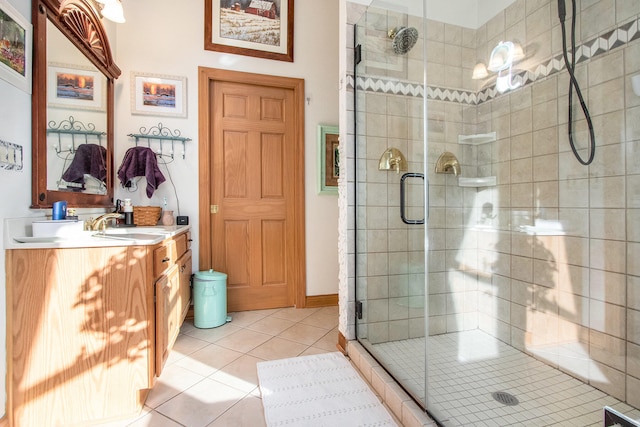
(18, 235)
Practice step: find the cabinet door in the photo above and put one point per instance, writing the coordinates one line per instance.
(184, 264)
(78, 334)
(168, 313)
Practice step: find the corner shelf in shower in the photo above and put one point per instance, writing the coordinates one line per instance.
(485, 181)
(481, 138)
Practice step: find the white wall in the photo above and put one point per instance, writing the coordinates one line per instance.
(15, 127)
(163, 38)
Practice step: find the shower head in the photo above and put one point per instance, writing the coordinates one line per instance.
(403, 39)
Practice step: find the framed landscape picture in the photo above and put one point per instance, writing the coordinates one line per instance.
(16, 35)
(158, 95)
(75, 87)
(259, 28)
(328, 159)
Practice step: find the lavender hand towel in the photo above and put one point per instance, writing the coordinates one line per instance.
(89, 159)
(141, 161)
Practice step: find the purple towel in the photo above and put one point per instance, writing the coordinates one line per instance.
(88, 159)
(141, 161)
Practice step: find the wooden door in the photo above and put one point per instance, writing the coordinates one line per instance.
(256, 176)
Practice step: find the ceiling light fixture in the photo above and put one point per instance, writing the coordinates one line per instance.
(112, 10)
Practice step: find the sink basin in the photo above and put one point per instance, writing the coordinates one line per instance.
(130, 236)
(38, 239)
(137, 230)
(88, 236)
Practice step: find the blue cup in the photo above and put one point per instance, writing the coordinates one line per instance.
(59, 210)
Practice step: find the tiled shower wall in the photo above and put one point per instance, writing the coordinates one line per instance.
(570, 295)
(558, 266)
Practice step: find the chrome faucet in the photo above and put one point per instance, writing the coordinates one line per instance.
(100, 223)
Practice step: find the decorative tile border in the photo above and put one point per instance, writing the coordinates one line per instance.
(604, 43)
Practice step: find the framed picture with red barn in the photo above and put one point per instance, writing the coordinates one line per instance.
(258, 28)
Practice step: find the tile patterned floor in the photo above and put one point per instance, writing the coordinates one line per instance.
(466, 367)
(210, 379)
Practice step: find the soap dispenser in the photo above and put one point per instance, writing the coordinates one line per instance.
(127, 209)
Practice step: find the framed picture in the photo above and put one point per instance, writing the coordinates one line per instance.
(75, 87)
(259, 28)
(16, 35)
(328, 159)
(158, 95)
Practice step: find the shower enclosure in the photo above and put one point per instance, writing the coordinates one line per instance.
(494, 274)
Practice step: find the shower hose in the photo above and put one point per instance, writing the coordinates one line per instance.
(574, 83)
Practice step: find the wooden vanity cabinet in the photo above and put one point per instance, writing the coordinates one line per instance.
(84, 333)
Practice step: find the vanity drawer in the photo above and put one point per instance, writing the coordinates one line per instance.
(181, 244)
(169, 251)
(164, 256)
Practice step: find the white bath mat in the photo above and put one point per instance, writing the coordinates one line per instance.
(318, 390)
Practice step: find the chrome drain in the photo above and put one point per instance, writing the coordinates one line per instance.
(505, 398)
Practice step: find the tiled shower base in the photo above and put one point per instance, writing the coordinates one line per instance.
(467, 367)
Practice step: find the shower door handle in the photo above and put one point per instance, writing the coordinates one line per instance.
(403, 198)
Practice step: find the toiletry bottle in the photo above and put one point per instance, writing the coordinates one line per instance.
(127, 209)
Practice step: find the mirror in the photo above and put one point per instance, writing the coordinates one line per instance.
(76, 119)
(73, 80)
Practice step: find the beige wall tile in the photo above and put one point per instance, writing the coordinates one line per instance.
(607, 379)
(633, 391)
(609, 161)
(607, 318)
(574, 221)
(574, 193)
(606, 97)
(521, 121)
(545, 168)
(609, 287)
(633, 254)
(607, 224)
(633, 360)
(608, 255)
(574, 279)
(633, 292)
(607, 350)
(522, 268)
(633, 191)
(573, 308)
(606, 67)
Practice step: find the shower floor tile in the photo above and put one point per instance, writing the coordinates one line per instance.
(467, 367)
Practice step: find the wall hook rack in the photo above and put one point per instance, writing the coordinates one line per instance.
(163, 135)
(75, 128)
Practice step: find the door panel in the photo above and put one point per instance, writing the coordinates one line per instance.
(253, 146)
(273, 252)
(235, 164)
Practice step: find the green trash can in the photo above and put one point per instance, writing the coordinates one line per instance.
(209, 299)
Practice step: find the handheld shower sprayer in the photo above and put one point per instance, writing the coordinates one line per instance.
(573, 83)
(562, 12)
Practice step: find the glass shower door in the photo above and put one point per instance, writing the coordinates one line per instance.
(390, 188)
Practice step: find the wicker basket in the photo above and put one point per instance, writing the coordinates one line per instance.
(146, 215)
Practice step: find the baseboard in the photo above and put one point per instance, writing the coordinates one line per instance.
(342, 343)
(315, 301)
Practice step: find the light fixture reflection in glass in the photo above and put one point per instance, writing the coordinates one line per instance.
(518, 52)
(479, 71)
(501, 62)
